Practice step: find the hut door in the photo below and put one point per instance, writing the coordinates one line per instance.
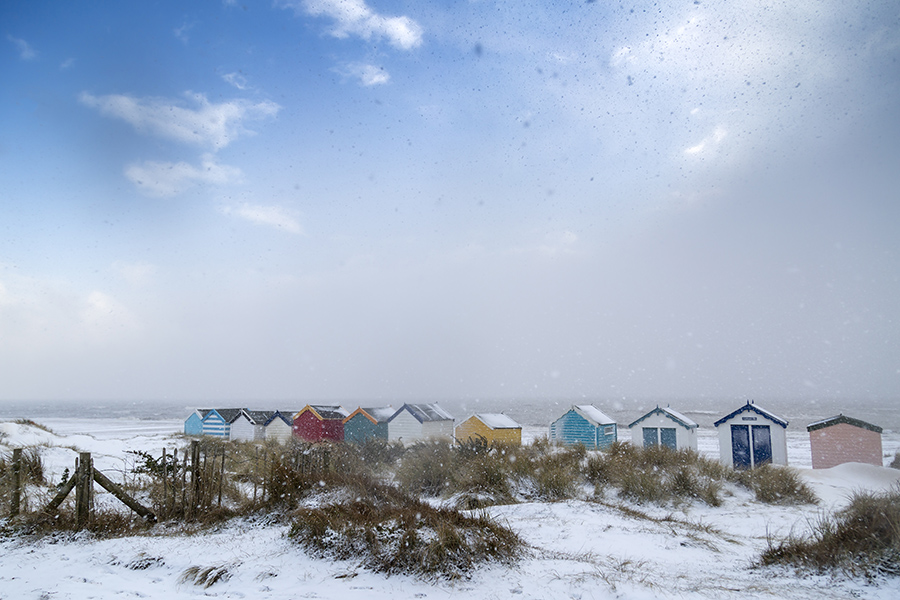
(667, 437)
(740, 446)
(762, 445)
(650, 436)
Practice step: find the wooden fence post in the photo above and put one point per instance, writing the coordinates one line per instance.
(17, 483)
(195, 477)
(165, 482)
(84, 486)
(221, 476)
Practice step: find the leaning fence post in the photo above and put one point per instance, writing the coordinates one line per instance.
(17, 482)
(84, 485)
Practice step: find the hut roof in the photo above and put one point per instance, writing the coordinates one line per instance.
(830, 421)
(380, 414)
(229, 415)
(592, 414)
(258, 417)
(284, 415)
(754, 408)
(497, 421)
(424, 412)
(326, 412)
(672, 414)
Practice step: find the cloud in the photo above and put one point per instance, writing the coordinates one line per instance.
(102, 313)
(236, 79)
(368, 75)
(708, 143)
(206, 124)
(137, 274)
(182, 32)
(354, 17)
(66, 64)
(26, 52)
(273, 216)
(162, 179)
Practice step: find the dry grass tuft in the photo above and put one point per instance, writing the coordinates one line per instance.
(206, 576)
(862, 539)
(656, 474)
(392, 533)
(777, 485)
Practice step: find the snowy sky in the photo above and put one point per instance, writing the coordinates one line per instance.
(389, 199)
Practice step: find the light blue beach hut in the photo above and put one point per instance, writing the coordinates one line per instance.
(584, 424)
(193, 425)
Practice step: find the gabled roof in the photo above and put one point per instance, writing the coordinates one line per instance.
(284, 415)
(325, 412)
(497, 421)
(424, 412)
(381, 414)
(592, 414)
(258, 417)
(672, 414)
(754, 408)
(842, 419)
(200, 412)
(228, 414)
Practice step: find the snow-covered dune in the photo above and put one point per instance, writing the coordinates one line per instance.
(577, 549)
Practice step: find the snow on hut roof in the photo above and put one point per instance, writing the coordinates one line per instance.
(258, 417)
(228, 414)
(830, 421)
(497, 421)
(593, 414)
(425, 412)
(754, 408)
(672, 414)
(379, 414)
(329, 412)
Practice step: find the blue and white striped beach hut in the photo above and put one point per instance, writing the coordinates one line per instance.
(217, 421)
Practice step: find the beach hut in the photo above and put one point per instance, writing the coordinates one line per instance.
(249, 426)
(193, 425)
(751, 437)
(584, 424)
(279, 427)
(493, 428)
(840, 439)
(367, 423)
(320, 422)
(414, 422)
(664, 427)
(217, 422)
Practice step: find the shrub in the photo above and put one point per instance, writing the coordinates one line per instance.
(777, 485)
(862, 539)
(427, 467)
(393, 533)
(895, 463)
(656, 474)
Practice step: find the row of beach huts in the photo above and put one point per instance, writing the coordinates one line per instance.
(750, 436)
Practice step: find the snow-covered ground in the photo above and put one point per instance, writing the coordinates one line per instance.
(578, 549)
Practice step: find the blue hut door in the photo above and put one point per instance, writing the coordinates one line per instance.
(650, 436)
(667, 437)
(762, 445)
(740, 446)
